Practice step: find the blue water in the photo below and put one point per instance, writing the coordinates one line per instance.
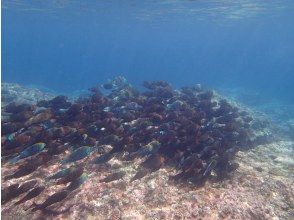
(72, 45)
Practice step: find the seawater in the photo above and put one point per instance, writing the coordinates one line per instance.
(243, 49)
(71, 45)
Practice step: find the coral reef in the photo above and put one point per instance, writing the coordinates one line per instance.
(279, 112)
(12, 92)
(151, 148)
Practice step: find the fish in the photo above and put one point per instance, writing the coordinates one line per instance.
(77, 182)
(107, 86)
(53, 212)
(31, 194)
(113, 177)
(180, 176)
(191, 166)
(229, 154)
(78, 154)
(29, 167)
(103, 158)
(22, 171)
(198, 180)
(140, 174)
(8, 128)
(187, 162)
(184, 175)
(10, 137)
(20, 190)
(56, 150)
(41, 117)
(209, 167)
(232, 167)
(149, 149)
(61, 173)
(26, 186)
(29, 151)
(56, 197)
(21, 116)
(6, 193)
(20, 140)
(15, 107)
(72, 175)
(151, 164)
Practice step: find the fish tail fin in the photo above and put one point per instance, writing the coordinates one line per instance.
(14, 160)
(35, 207)
(176, 177)
(31, 206)
(18, 202)
(9, 177)
(48, 179)
(140, 174)
(65, 161)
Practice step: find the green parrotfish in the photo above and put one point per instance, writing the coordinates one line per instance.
(71, 176)
(56, 197)
(29, 151)
(62, 173)
(77, 182)
(31, 194)
(78, 154)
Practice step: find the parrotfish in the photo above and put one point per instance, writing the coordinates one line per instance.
(210, 167)
(22, 171)
(72, 175)
(53, 212)
(114, 176)
(48, 124)
(151, 164)
(8, 128)
(149, 149)
(77, 183)
(140, 174)
(56, 150)
(30, 166)
(29, 151)
(41, 117)
(56, 197)
(103, 158)
(14, 107)
(198, 180)
(31, 194)
(62, 173)
(20, 190)
(7, 192)
(78, 154)
(8, 139)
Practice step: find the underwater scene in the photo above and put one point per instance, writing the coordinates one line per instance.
(124, 109)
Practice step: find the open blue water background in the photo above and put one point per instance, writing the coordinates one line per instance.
(72, 45)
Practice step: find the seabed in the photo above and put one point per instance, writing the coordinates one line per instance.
(262, 187)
